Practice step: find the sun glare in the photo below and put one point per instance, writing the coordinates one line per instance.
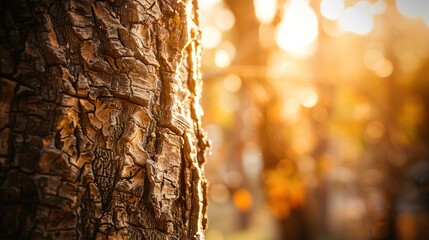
(265, 10)
(358, 18)
(208, 4)
(332, 9)
(298, 29)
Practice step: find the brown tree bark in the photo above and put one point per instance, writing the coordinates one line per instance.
(100, 132)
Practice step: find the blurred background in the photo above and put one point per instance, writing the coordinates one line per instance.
(318, 114)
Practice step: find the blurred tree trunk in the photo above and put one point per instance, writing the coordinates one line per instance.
(251, 54)
(100, 132)
(248, 54)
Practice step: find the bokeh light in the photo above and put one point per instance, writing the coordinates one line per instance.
(413, 8)
(224, 19)
(232, 82)
(357, 18)
(332, 9)
(208, 4)
(265, 10)
(308, 97)
(222, 58)
(243, 199)
(298, 29)
(316, 134)
(211, 37)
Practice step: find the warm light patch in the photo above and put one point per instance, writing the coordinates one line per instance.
(298, 29)
(252, 160)
(219, 193)
(355, 209)
(228, 102)
(306, 164)
(371, 58)
(286, 166)
(211, 37)
(213, 234)
(251, 116)
(233, 179)
(375, 130)
(412, 110)
(265, 10)
(208, 4)
(243, 200)
(331, 28)
(266, 36)
(320, 113)
(304, 139)
(362, 111)
(224, 19)
(383, 68)
(222, 58)
(229, 47)
(290, 110)
(284, 193)
(308, 97)
(358, 18)
(379, 7)
(332, 9)
(232, 82)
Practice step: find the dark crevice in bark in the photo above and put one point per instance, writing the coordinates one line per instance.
(184, 193)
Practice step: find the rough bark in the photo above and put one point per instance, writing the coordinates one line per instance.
(100, 132)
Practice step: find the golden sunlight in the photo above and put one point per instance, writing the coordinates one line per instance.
(310, 128)
(298, 29)
(308, 97)
(290, 110)
(211, 37)
(224, 19)
(222, 58)
(265, 10)
(232, 82)
(208, 4)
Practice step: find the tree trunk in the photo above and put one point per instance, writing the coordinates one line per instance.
(100, 132)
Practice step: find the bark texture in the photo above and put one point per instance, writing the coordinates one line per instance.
(100, 132)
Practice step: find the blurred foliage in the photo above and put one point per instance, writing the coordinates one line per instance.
(317, 112)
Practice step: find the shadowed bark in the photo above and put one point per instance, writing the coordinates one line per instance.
(100, 132)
